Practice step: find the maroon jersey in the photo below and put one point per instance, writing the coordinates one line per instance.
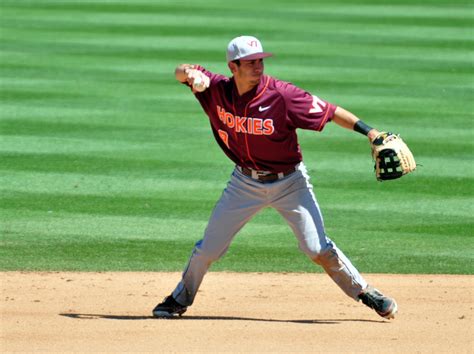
(258, 129)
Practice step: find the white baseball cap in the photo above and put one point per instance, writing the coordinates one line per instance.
(246, 48)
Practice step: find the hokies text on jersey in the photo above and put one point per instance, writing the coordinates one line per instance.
(246, 125)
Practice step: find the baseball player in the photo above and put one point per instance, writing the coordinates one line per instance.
(254, 118)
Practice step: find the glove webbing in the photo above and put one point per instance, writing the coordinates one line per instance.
(389, 165)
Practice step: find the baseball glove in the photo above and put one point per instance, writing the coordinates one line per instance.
(392, 157)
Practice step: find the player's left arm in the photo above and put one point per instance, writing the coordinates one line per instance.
(350, 121)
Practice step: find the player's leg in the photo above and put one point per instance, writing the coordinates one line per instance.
(239, 202)
(295, 201)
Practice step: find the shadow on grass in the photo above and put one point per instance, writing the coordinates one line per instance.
(84, 316)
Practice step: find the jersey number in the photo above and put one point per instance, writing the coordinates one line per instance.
(225, 137)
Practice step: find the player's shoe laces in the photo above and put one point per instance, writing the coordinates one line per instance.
(169, 308)
(383, 305)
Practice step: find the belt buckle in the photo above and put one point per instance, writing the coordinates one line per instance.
(257, 174)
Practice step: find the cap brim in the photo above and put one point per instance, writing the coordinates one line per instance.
(257, 56)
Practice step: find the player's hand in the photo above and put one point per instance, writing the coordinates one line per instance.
(197, 79)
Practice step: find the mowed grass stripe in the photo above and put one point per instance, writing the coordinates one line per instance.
(213, 46)
(84, 184)
(146, 25)
(144, 152)
(109, 205)
(199, 208)
(48, 225)
(364, 14)
(329, 180)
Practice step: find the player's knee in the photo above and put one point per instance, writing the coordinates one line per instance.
(329, 260)
(205, 254)
(320, 254)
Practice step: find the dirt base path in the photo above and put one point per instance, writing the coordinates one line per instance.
(234, 312)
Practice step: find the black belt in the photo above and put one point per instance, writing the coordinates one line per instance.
(265, 176)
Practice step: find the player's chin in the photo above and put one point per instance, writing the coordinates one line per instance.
(256, 79)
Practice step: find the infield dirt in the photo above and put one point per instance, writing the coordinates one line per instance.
(234, 312)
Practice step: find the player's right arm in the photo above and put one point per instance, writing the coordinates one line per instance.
(182, 71)
(193, 76)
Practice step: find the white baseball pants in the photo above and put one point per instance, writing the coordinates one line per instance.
(292, 196)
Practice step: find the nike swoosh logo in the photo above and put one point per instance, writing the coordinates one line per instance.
(261, 109)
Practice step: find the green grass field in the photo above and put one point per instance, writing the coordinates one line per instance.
(108, 164)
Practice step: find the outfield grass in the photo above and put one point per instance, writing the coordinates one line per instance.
(108, 164)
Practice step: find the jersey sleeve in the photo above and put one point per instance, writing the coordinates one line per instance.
(304, 110)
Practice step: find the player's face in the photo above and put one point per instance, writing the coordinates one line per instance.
(249, 71)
